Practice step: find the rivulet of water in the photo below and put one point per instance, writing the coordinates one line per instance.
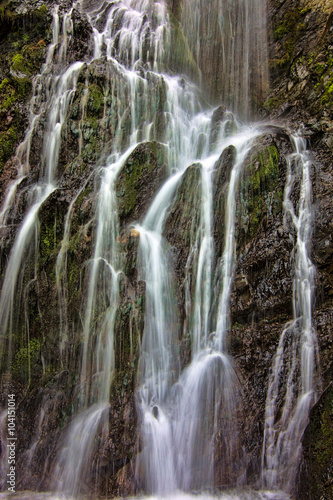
(61, 89)
(292, 378)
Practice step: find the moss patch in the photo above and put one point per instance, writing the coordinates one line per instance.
(136, 177)
(27, 360)
(95, 102)
(8, 142)
(286, 32)
(259, 193)
(23, 50)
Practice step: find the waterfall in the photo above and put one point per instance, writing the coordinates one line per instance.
(188, 412)
(297, 348)
(233, 58)
(61, 89)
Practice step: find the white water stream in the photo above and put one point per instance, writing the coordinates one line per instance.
(292, 377)
(60, 90)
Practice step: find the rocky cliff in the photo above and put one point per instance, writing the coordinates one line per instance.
(50, 304)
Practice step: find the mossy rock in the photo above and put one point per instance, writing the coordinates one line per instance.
(20, 65)
(260, 192)
(181, 57)
(23, 53)
(95, 101)
(139, 179)
(184, 216)
(8, 142)
(129, 327)
(180, 231)
(27, 361)
(286, 32)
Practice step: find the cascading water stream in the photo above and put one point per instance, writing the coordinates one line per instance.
(62, 88)
(292, 377)
(240, 66)
(99, 365)
(208, 385)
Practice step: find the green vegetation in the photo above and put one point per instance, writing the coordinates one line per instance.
(140, 163)
(182, 59)
(8, 142)
(318, 447)
(20, 64)
(23, 52)
(95, 103)
(26, 361)
(7, 12)
(287, 32)
(259, 191)
(271, 103)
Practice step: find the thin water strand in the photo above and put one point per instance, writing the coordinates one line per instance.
(296, 353)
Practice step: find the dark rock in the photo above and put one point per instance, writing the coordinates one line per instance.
(180, 231)
(316, 477)
(139, 180)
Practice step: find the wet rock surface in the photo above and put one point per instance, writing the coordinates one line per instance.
(139, 180)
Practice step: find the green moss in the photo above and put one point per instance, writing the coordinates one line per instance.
(263, 179)
(8, 142)
(259, 191)
(95, 103)
(264, 170)
(325, 91)
(287, 32)
(7, 95)
(291, 22)
(26, 361)
(42, 11)
(21, 65)
(320, 68)
(318, 447)
(7, 12)
(271, 103)
(141, 162)
(47, 238)
(181, 57)
(12, 92)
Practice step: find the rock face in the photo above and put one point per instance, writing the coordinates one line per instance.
(301, 42)
(43, 376)
(316, 473)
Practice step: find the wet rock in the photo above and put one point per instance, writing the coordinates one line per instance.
(316, 479)
(223, 168)
(181, 225)
(139, 180)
